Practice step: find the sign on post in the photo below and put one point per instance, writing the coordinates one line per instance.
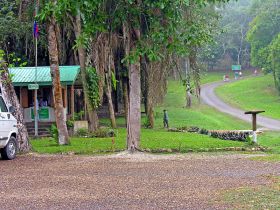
(236, 67)
(43, 113)
(33, 87)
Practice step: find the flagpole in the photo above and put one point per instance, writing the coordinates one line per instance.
(36, 64)
(36, 92)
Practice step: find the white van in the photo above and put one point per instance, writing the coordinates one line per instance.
(8, 132)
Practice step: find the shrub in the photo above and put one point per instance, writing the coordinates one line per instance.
(82, 132)
(54, 132)
(79, 115)
(203, 131)
(147, 124)
(70, 124)
(192, 129)
(103, 133)
(231, 135)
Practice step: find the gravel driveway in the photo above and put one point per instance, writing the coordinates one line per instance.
(209, 97)
(122, 181)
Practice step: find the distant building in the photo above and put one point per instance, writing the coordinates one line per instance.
(71, 91)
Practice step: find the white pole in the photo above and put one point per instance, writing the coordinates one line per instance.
(36, 64)
(35, 92)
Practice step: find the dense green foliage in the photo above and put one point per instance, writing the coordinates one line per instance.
(229, 45)
(16, 33)
(93, 87)
(274, 57)
(264, 37)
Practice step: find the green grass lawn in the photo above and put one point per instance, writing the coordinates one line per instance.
(256, 93)
(158, 138)
(253, 93)
(199, 115)
(155, 140)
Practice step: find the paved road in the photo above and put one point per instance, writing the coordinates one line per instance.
(209, 97)
(122, 181)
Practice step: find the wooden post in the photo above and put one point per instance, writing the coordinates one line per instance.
(65, 98)
(254, 118)
(254, 121)
(72, 102)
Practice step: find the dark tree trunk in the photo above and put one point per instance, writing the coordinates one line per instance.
(150, 113)
(63, 137)
(10, 97)
(125, 97)
(91, 112)
(93, 117)
(110, 102)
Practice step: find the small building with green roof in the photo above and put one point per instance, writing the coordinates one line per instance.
(72, 93)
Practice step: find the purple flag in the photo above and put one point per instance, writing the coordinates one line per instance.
(35, 30)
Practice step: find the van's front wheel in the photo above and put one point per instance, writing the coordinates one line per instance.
(10, 150)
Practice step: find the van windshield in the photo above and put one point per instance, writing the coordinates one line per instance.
(3, 107)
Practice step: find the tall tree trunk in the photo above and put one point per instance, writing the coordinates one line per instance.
(125, 97)
(110, 102)
(149, 80)
(134, 107)
(63, 137)
(150, 112)
(93, 117)
(92, 114)
(10, 97)
(144, 82)
(188, 86)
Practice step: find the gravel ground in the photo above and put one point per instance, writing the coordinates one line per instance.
(123, 181)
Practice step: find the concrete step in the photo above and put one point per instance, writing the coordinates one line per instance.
(43, 129)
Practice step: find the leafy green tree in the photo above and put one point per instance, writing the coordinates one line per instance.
(147, 29)
(230, 44)
(274, 58)
(263, 29)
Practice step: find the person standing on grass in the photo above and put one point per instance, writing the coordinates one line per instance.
(165, 119)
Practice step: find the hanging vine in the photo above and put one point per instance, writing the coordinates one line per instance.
(93, 87)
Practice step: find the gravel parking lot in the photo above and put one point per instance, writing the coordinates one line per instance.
(123, 181)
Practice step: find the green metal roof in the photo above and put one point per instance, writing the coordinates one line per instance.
(22, 76)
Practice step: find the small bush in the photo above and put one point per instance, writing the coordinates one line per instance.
(103, 133)
(231, 135)
(54, 132)
(147, 124)
(82, 132)
(203, 131)
(70, 124)
(79, 116)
